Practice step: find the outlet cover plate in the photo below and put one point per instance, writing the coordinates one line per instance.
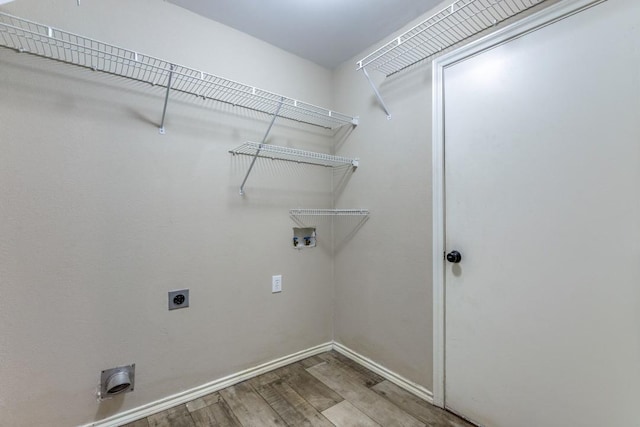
(276, 284)
(178, 299)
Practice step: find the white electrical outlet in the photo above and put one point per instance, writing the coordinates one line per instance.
(276, 284)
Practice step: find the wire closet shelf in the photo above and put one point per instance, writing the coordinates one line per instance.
(275, 152)
(38, 39)
(329, 212)
(452, 25)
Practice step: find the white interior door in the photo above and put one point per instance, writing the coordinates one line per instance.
(542, 188)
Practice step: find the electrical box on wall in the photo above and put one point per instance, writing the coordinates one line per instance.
(304, 237)
(178, 299)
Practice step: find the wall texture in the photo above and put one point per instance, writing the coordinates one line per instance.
(383, 277)
(383, 301)
(100, 216)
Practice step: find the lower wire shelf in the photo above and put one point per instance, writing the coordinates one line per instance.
(329, 212)
(276, 152)
(350, 221)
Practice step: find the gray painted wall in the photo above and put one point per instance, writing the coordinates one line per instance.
(100, 216)
(383, 277)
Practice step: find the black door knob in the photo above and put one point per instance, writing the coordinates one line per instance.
(454, 257)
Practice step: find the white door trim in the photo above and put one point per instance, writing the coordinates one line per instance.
(526, 25)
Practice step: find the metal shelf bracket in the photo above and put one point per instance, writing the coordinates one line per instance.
(264, 138)
(377, 93)
(166, 99)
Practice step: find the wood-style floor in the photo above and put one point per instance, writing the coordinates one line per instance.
(325, 390)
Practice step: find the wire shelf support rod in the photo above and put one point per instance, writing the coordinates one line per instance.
(166, 99)
(264, 138)
(377, 93)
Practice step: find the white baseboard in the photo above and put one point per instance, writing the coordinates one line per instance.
(398, 380)
(203, 390)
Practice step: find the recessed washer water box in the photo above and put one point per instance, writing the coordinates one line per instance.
(304, 237)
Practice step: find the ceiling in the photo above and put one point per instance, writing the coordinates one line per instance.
(327, 32)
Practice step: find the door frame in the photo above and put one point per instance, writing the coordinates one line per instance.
(518, 29)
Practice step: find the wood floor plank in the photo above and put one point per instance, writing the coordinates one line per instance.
(424, 411)
(263, 379)
(291, 407)
(279, 404)
(249, 407)
(178, 416)
(313, 416)
(196, 404)
(309, 387)
(140, 423)
(215, 415)
(372, 404)
(200, 403)
(365, 375)
(204, 417)
(311, 361)
(344, 414)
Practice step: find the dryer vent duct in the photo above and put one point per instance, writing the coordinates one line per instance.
(117, 381)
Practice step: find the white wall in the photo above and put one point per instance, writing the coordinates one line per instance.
(100, 216)
(383, 277)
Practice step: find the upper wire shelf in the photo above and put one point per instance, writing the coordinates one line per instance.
(275, 152)
(329, 212)
(38, 39)
(452, 25)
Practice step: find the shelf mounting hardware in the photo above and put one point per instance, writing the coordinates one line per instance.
(264, 138)
(377, 93)
(166, 98)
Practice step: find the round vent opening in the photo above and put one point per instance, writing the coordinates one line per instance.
(116, 381)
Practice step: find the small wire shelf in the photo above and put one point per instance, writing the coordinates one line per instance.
(275, 152)
(329, 212)
(452, 25)
(41, 40)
